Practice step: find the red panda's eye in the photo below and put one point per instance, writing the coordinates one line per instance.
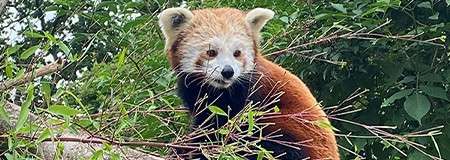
(211, 53)
(237, 53)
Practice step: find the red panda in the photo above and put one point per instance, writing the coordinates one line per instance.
(215, 53)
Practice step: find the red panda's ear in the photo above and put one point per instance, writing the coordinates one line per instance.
(257, 18)
(172, 20)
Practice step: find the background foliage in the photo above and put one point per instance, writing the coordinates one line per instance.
(117, 83)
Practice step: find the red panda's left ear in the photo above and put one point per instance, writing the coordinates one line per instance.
(257, 18)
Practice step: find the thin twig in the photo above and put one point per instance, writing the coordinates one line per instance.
(104, 140)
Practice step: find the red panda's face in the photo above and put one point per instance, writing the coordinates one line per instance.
(222, 58)
(219, 45)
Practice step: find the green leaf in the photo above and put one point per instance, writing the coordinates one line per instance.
(136, 23)
(59, 151)
(62, 2)
(339, 7)
(424, 5)
(25, 108)
(31, 34)
(58, 93)
(396, 96)
(325, 124)
(408, 79)
(435, 16)
(30, 51)
(446, 76)
(85, 122)
(417, 105)
(251, 122)
(393, 70)
(3, 114)
(115, 156)
(260, 155)
(63, 47)
(285, 19)
(320, 16)
(225, 156)
(417, 155)
(21, 72)
(12, 50)
(10, 156)
(436, 92)
(216, 110)
(224, 131)
(63, 110)
(9, 69)
(121, 57)
(264, 153)
(357, 12)
(110, 4)
(52, 8)
(431, 77)
(10, 142)
(44, 135)
(276, 109)
(51, 37)
(46, 91)
(98, 155)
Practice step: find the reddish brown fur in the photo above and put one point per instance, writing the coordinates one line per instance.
(203, 57)
(321, 143)
(174, 58)
(297, 98)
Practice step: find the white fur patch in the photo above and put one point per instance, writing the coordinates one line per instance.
(225, 46)
(257, 18)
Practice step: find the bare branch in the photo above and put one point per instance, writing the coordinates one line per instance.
(91, 140)
(356, 35)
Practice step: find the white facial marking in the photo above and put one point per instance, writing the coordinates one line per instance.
(225, 46)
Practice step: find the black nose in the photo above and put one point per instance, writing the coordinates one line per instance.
(227, 72)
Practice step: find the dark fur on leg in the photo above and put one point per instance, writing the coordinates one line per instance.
(231, 100)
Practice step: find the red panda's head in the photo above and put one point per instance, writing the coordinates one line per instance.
(218, 44)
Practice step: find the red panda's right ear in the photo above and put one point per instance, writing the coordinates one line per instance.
(257, 18)
(172, 20)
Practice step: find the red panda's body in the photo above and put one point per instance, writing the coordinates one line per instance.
(297, 100)
(215, 53)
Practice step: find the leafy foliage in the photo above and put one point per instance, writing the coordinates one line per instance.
(117, 82)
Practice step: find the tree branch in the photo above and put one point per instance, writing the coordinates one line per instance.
(90, 140)
(48, 69)
(75, 146)
(2, 6)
